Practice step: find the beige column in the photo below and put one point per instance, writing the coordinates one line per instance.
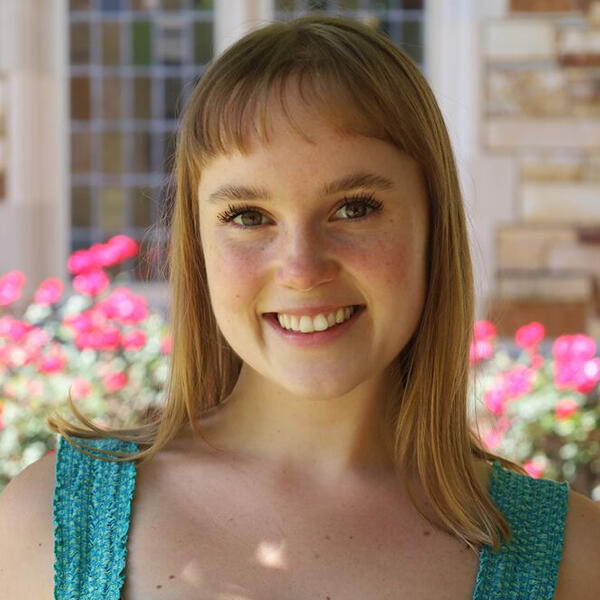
(34, 215)
(453, 68)
(235, 18)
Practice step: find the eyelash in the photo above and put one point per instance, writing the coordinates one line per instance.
(234, 211)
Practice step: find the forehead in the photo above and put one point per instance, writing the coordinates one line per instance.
(303, 106)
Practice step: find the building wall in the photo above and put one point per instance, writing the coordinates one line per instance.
(35, 215)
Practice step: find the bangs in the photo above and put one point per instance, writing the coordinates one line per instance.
(238, 118)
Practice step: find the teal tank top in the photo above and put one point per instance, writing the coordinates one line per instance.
(92, 509)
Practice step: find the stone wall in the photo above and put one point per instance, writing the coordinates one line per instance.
(541, 105)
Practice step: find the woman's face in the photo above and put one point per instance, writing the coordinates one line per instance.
(303, 247)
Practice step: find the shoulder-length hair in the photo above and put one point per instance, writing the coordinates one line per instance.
(363, 84)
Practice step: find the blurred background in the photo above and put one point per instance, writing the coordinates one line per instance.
(90, 96)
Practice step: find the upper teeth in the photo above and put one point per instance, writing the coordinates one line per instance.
(319, 322)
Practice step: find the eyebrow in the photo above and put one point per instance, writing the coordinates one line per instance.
(360, 179)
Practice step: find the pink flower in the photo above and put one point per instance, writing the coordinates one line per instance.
(530, 335)
(91, 283)
(484, 331)
(106, 338)
(49, 291)
(126, 246)
(124, 307)
(35, 340)
(480, 350)
(534, 468)
(11, 285)
(575, 366)
(134, 340)
(82, 261)
(493, 438)
(13, 329)
(167, 345)
(80, 322)
(115, 381)
(80, 388)
(51, 361)
(565, 408)
(573, 347)
(518, 381)
(494, 401)
(537, 361)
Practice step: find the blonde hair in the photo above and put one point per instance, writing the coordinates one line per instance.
(363, 84)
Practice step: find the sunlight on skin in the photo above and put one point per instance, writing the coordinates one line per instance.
(271, 554)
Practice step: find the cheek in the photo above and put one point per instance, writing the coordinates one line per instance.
(232, 272)
(387, 263)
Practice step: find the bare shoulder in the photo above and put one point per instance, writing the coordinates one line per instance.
(579, 576)
(27, 533)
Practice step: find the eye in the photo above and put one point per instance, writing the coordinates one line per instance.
(362, 201)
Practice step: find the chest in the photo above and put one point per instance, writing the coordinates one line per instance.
(230, 540)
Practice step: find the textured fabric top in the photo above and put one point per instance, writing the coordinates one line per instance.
(92, 509)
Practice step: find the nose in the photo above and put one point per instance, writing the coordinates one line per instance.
(305, 263)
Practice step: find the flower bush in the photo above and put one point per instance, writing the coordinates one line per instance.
(540, 411)
(101, 344)
(107, 349)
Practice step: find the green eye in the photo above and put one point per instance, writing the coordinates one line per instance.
(234, 211)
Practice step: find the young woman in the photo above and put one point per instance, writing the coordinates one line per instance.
(315, 441)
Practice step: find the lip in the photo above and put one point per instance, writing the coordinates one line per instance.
(317, 338)
(312, 311)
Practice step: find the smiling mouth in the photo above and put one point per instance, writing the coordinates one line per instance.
(356, 310)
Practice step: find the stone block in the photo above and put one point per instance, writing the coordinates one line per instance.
(560, 202)
(545, 285)
(582, 258)
(509, 133)
(519, 40)
(525, 247)
(559, 318)
(568, 165)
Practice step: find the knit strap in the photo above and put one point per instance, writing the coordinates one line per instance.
(91, 513)
(528, 567)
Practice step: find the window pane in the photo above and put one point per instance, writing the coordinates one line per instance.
(80, 4)
(203, 4)
(81, 206)
(143, 4)
(111, 210)
(172, 92)
(141, 51)
(79, 43)
(142, 152)
(142, 99)
(109, 5)
(111, 152)
(173, 4)
(111, 43)
(111, 97)
(170, 48)
(81, 152)
(142, 206)
(411, 40)
(203, 42)
(80, 98)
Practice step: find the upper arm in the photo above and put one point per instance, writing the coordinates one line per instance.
(27, 533)
(579, 570)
